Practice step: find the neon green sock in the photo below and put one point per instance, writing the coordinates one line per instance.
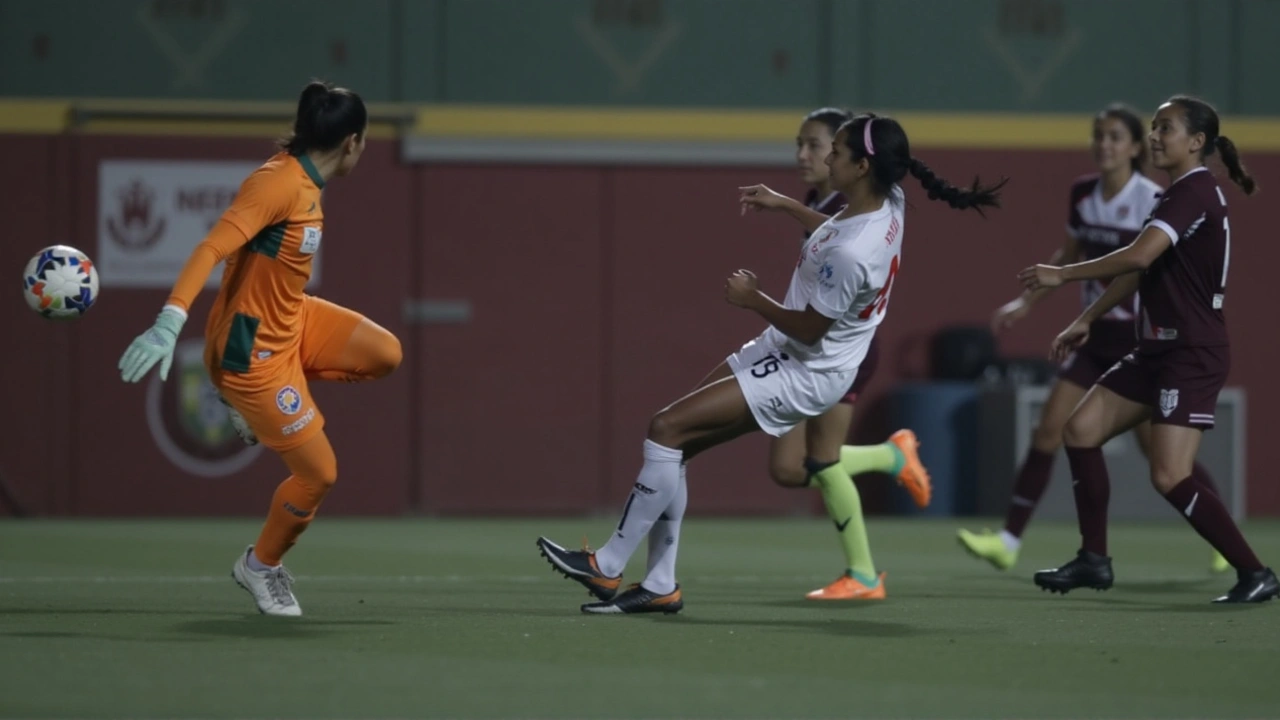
(845, 508)
(885, 458)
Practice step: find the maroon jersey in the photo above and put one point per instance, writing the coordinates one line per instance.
(1182, 292)
(1101, 226)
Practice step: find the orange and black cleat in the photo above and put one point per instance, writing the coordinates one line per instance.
(637, 599)
(913, 476)
(580, 565)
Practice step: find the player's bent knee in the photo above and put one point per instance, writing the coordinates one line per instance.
(1163, 480)
(665, 429)
(1079, 432)
(788, 475)
(1047, 439)
(387, 356)
(319, 483)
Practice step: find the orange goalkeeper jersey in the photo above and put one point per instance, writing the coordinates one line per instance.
(268, 237)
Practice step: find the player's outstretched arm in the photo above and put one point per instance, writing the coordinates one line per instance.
(263, 200)
(1077, 333)
(761, 197)
(1018, 308)
(156, 345)
(1135, 257)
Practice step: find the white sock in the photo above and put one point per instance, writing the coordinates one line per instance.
(654, 490)
(257, 565)
(1011, 541)
(664, 542)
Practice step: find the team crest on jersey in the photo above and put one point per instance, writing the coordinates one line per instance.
(1168, 401)
(289, 400)
(1122, 212)
(310, 241)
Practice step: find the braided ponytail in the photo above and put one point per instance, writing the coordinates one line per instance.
(883, 142)
(976, 196)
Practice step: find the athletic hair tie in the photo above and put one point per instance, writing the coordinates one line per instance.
(866, 136)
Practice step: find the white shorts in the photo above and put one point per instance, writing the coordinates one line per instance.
(780, 390)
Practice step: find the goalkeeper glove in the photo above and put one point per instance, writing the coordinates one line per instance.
(156, 345)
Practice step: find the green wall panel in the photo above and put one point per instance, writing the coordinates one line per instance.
(751, 53)
(1258, 57)
(1017, 55)
(420, 28)
(192, 48)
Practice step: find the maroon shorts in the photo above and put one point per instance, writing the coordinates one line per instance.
(865, 372)
(1181, 385)
(1084, 366)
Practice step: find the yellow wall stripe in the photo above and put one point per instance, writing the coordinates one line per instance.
(256, 119)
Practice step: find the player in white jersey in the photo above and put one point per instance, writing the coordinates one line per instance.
(797, 369)
(826, 434)
(1106, 212)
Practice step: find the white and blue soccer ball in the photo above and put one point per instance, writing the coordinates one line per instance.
(60, 282)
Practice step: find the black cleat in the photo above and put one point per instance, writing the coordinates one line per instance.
(580, 565)
(1253, 586)
(636, 599)
(1086, 570)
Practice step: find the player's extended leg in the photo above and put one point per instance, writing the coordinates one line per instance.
(1173, 452)
(826, 434)
(337, 344)
(898, 457)
(1001, 549)
(714, 413)
(342, 345)
(1199, 473)
(1102, 415)
(314, 469)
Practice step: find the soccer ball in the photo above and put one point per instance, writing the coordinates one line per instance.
(60, 282)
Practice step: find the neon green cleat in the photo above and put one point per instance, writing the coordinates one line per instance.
(988, 546)
(1219, 563)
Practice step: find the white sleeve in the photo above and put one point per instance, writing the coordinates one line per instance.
(839, 280)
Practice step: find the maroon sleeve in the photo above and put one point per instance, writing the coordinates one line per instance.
(1180, 209)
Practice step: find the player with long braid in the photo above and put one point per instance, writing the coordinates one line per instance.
(826, 434)
(797, 369)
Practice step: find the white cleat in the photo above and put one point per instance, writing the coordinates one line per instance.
(240, 424)
(271, 589)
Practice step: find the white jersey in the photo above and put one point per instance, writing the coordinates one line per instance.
(1103, 226)
(845, 271)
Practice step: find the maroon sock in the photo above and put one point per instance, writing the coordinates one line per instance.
(1092, 489)
(1033, 478)
(1201, 475)
(1210, 518)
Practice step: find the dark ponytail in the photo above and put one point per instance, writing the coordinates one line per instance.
(326, 116)
(1200, 117)
(975, 196)
(1231, 158)
(886, 147)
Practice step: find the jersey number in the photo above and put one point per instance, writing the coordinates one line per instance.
(767, 365)
(881, 300)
